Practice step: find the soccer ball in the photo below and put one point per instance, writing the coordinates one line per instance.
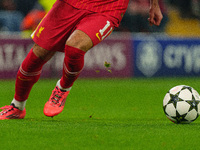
(181, 104)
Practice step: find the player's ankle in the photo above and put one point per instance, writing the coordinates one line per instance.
(19, 104)
(61, 88)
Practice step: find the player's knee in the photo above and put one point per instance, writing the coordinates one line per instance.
(42, 53)
(80, 44)
(80, 40)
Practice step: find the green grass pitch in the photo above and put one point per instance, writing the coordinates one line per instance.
(107, 114)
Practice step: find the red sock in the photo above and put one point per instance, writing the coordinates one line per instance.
(28, 74)
(73, 64)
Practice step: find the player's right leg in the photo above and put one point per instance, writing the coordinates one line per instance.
(75, 48)
(78, 43)
(28, 74)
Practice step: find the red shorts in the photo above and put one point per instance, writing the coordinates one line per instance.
(56, 27)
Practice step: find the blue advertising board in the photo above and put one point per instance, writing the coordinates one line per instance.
(164, 56)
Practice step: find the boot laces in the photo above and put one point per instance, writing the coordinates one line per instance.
(57, 95)
(6, 109)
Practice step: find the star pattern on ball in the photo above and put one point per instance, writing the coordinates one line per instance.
(174, 99)
(179, 118)
(187, 87)
(193, 103)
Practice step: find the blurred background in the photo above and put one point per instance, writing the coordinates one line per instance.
(135, 49)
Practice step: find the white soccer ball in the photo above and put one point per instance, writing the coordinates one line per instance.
(181, 104)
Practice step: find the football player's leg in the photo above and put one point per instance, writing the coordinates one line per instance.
(90, 31)
(29, 73)
(75, 48)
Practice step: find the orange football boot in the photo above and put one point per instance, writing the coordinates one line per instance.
(11, 112)
(56, 102)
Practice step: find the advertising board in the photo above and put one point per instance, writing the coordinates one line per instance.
(164, 56)
(111, 58)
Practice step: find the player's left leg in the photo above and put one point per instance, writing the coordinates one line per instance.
(28, 74)
(79, 42)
